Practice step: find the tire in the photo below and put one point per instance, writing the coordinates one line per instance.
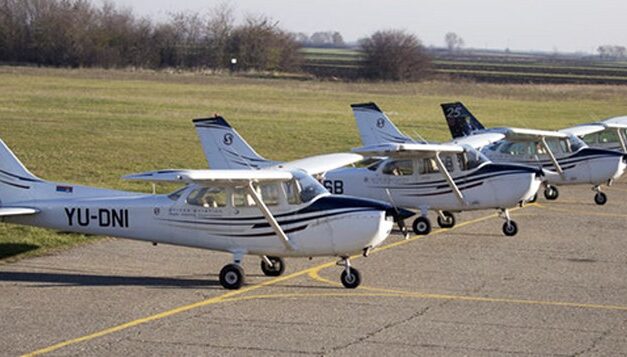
(600, 198)
(277, 268)
(232, 277)
(352, 280)
(533, 199)
(422, 226)
(551, 193)
(510, 228)
(449, 222)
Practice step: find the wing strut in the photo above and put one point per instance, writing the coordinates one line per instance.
(449, 179)
(269, 217)
(556, 164)
(621, 139)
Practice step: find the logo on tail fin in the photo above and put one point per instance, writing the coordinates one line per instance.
(228, 139)
(380, 123)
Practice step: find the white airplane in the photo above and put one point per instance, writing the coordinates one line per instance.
(419, 176)
(271, 213)
(573, 161)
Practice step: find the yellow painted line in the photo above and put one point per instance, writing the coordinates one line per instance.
(583, 213)
(378, 292)
(223, 297)
(178, 310)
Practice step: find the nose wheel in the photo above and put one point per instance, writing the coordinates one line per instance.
(510, 228)
(551, 192)
(350, 277)
(422, 226)
(600, 198)
(272, 266)
(446, 219)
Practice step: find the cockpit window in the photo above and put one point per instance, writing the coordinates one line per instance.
(375, 165)
(209, 197)
(174, 196)
(576, 144)
(308, 187)
(270, 194)
(471, 158)
(399, 168)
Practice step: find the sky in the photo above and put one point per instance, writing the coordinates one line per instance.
(545, 25)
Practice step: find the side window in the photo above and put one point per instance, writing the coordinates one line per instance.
(555, 146)
(608, 136)
(398, 168)
(448, 163)
(591, 139)
(210, 197)
(270, 194)
(428, 166)
(242, 199)
(462, 160)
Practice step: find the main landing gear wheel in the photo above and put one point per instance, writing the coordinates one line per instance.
(448, 221)
(510, 228)
(232, 276)
(551, 192)
(422, 226)
(600, 198)
(276, 268)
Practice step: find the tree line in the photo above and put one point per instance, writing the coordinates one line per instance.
(77, 33)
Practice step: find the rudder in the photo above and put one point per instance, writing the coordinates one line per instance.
(375, 127)
(460, 120)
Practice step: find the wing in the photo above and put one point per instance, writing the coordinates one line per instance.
(320, 164)
(407, 150)
(17, 211)
(616, 121)
(478, 141)
(584, 129)
(519, 134)
(204, 177)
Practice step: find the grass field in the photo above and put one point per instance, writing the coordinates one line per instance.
(93, 126)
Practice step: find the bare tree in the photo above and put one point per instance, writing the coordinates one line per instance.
(453, 41)
(394, 55)
(219, 28)
(611, 52)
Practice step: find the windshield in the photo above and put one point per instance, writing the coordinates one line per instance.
(308, 186)
(473, 157)
(576, 144)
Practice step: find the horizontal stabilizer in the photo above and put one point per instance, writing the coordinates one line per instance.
(228, 177)
(407, 150)
(17, 211)
(315, 165)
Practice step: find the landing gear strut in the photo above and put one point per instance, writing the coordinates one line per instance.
(350, 276)
(272, 266)
(403, 228)
(446, 219)
(551, 192)
(510, 228)
(422, 225)
(600, 198)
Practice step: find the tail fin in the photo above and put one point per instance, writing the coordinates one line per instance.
(375, 127)
(15, 179)
(224, 148)
(460, 121)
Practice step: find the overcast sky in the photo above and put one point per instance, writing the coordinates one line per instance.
(574, 25)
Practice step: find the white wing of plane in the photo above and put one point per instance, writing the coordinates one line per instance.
(479, 140)
(315, 165)
(520, 134)
(412, 150)
(407, 150)
(584, 129)
(622, 121)
(16, 211)
(232, 177)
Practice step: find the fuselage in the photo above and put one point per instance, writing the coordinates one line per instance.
(418, 184)
(324, 225)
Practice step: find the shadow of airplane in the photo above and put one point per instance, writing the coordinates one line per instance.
(8, 250)
(64, 279)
